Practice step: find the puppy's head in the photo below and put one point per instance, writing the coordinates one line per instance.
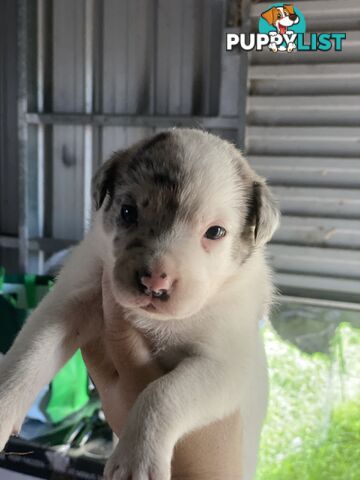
(281, 17)
(181, 213)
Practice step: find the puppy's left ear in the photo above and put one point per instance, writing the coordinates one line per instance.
(263, 213)
(103, 182)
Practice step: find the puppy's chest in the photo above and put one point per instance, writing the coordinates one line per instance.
(169, 351)
(170, 343)
(169, 359)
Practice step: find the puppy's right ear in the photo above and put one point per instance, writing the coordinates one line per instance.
(263, 213)
(103, 182)
(290, 9)
(270, 15)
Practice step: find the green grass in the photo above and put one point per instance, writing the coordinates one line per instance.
(312, 430)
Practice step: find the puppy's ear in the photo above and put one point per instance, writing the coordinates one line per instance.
(270, 15)
(290, 9)
(103, 181)
(263, 214)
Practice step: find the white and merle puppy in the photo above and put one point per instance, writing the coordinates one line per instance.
(180, 222)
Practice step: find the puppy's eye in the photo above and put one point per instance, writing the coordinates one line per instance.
(279, 15)
(129, 214)
(215, 232)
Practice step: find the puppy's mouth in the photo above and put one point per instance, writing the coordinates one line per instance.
(161, 305)
(153, 302)
(150, 307)
(150, 302)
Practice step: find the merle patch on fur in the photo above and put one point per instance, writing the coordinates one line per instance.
(253, 205)
(155, 169)
(104, 184)
(136, 243)
(160, 137)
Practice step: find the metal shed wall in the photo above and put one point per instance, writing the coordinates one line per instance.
(129, 57)
(303, 134)
(95, 76)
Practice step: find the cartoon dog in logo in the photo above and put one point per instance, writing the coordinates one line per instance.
(281, 18)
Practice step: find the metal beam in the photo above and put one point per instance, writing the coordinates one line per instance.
(319, 302)
(48, 245)
(89, 106)
(156, 121)
(8, 241)
(243, 78)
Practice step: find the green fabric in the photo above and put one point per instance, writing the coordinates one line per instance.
(2, 277)
(69, 388)
(30, 287)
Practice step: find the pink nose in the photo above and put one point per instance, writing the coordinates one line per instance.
(157, 283)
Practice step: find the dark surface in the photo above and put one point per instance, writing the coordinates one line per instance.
(42, 462)
(8, 124)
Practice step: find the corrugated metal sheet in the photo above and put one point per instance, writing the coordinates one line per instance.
(68, 95)
(148, 57)
(311, 171)
(305, 79)
(98, 75)
(303, 119)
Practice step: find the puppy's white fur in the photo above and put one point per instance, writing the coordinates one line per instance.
(214, 356)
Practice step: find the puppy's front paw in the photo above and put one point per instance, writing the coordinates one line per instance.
(8, 426)
(273, 47)
(10, 417)
(138, 460)
(291, 47)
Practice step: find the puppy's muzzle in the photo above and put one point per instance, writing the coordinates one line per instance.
(154, 283)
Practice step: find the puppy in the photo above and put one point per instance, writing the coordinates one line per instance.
(281, 18)
(179, 226)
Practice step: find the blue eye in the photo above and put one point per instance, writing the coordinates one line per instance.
(215, 232)
(129, 214)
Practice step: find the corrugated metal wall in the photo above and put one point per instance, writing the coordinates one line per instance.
(88, 77)
(95, 76)
(303, 134)
(128, 57)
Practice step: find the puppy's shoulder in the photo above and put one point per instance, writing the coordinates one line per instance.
(82, 269)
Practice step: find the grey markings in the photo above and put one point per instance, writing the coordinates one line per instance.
(135, 243)
(160, 137)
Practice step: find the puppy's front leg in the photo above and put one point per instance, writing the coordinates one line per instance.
(49, 338)
(197, 392)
